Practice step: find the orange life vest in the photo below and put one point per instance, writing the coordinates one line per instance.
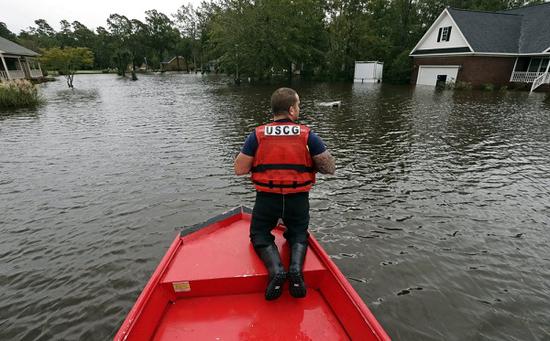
(282, 163)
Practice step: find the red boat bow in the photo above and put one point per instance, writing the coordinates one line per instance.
(210, 286)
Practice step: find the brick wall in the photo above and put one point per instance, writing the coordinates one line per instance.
(475, 70)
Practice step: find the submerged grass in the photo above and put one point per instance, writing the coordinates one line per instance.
(19, 94)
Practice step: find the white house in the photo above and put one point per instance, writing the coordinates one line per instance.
(477, 47)
(17, 62)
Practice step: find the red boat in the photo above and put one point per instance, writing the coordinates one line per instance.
(210, 286)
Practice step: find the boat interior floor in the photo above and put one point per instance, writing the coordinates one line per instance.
(250, 317)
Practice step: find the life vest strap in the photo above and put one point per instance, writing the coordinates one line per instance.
(272, 185)
(298, 168)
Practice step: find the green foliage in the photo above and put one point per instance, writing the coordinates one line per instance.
(400, 69)
(262, 38)
(19, 94)
(67, 61)
(6, 33)
(462, 86)
(266, 38)
(488, 87)
(163, 34)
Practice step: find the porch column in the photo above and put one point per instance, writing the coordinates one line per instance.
(40, 68)
(25, 68)
(547, 79)
(21, 67)
(514, 70)
(5, 66)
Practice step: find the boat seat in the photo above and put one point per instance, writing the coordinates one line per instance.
(217, 264)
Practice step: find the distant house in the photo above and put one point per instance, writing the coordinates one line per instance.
(175, 64)
(477, 47)
(17, 62)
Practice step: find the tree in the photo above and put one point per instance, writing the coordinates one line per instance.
(67, 61)
(121, 32)
(103, 51)
(187, 19)
(138, 44)
(41, 36)
(6, 33)
(162, 33)
(65, 36)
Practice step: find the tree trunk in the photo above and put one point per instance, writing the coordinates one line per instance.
(160, 56)
(290, 72)
(69, 78)
(134, 77)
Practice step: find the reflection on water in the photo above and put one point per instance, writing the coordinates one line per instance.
(437, 215)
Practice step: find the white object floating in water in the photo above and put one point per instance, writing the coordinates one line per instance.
(330, 104)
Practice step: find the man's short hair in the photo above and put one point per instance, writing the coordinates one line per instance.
(282, 99)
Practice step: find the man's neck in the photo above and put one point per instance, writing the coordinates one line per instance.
(282, 117)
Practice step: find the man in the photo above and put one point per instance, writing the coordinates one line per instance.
(283, 157)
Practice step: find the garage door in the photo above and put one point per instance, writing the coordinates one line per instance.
(429, 74)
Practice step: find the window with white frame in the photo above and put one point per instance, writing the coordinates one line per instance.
(444, 34)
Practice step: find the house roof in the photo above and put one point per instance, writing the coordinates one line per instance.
(9, 47)
(172, 59)
(535, 30)
(523, 30)
(489, 31)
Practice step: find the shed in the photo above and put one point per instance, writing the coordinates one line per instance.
(368, 72)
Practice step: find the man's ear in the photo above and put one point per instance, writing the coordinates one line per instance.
(292, 111)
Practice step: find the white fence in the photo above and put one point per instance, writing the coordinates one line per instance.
(525, 77)
(542, 79)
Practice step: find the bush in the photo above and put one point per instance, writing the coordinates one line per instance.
(488, 87)
(463, 86)
(19, 94)
(400, 69)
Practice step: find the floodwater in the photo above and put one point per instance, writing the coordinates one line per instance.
(438, 214)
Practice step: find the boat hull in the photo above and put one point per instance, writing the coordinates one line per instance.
(210, 286)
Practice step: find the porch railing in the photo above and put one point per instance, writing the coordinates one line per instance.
(542, 79)
(36, 73)
(16, 74)
(3, 75)
(525, 77)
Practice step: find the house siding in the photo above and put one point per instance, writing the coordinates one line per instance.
(475, 70)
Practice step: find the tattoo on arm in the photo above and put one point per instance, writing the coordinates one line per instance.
(324, 163)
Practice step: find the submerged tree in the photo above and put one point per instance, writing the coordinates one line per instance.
(67, 61)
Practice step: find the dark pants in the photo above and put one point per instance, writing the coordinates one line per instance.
(269, 207)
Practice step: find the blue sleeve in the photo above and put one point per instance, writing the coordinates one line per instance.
(250, 145)
(315, 144)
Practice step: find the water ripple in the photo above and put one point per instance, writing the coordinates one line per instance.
(438, 213)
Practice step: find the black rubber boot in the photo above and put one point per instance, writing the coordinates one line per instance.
(295, 271)
(277, 275)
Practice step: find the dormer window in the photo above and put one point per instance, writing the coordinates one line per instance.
(444, 34)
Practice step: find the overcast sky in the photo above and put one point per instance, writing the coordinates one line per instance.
(20, 14)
